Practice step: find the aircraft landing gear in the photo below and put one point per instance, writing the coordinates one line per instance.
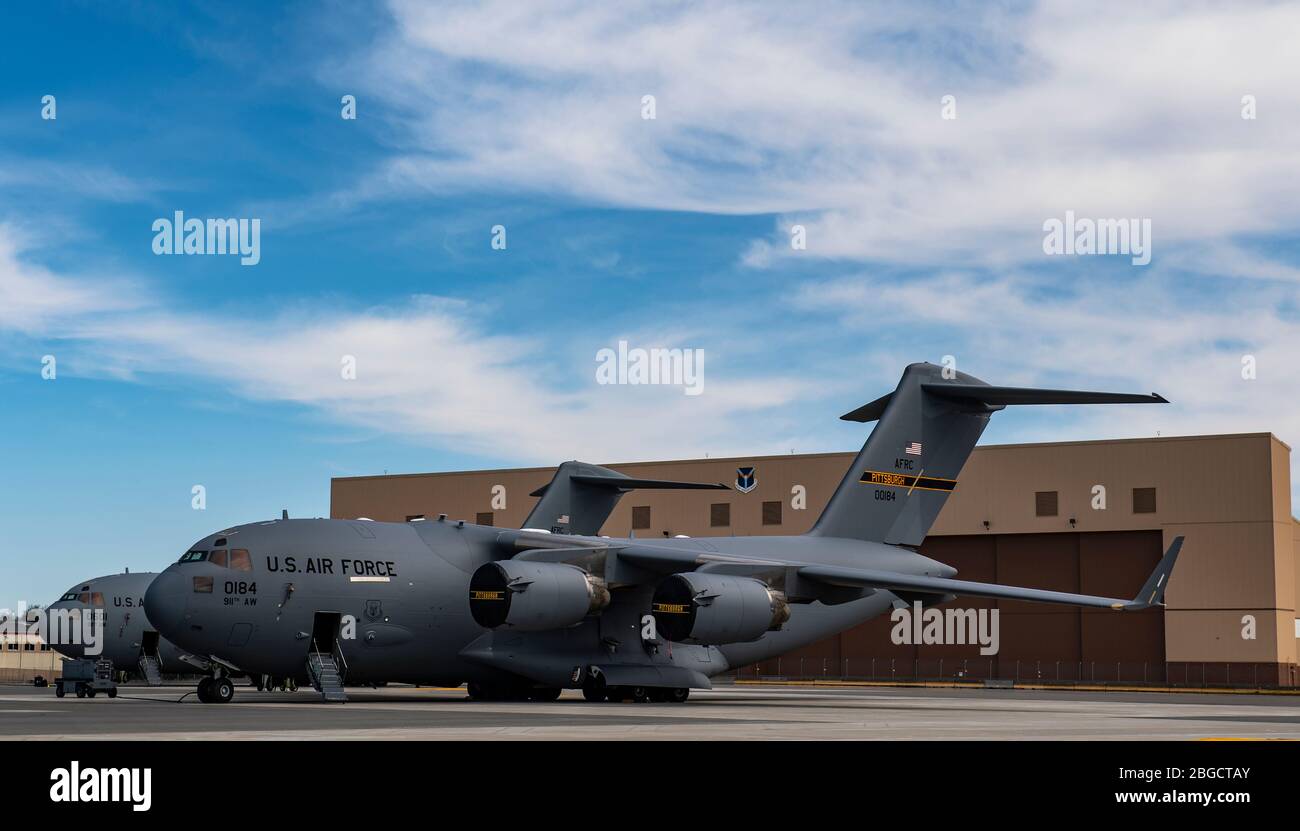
(640, 695)
(480, 691)
(218, 690)
(594, 689)
(669, 695)
(544, 694)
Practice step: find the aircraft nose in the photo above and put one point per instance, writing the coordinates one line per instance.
(164, 602)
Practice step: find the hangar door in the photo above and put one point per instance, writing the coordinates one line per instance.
(1035, 640)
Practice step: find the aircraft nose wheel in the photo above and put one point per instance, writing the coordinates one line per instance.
(216, 690)
(223, 690)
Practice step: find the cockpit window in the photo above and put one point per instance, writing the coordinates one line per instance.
(218, 557)
(193, 556)
(84, 597)
(96, 598)
(69, 596)
(240, 560)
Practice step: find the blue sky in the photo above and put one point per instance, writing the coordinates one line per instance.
(924, 239)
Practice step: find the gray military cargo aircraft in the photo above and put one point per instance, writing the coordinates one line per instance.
(127, 638)
(526, 613)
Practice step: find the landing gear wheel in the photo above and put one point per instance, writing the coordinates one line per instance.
(475, 691)
(595, 693)
(544, 694)
(205, 690)
(222, 690)
(678, 695)
(639, 694)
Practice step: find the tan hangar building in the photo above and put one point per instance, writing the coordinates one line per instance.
(1022, 514)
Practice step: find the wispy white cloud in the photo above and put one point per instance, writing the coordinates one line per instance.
(429, 370)
(1140, 335)
(34, 299)
(69, 179)
(833, 118)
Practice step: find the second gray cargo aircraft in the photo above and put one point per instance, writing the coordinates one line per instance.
(529, 612)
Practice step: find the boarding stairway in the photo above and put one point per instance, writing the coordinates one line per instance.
(151, 670)
(323, 670)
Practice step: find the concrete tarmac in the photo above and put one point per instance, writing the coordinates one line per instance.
(739, 712)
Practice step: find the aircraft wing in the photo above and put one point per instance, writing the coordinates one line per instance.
(1151, 594)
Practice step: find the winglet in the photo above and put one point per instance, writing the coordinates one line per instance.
(1153, 591)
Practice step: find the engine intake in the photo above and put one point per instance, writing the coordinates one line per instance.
(534, 597)
(705, 608)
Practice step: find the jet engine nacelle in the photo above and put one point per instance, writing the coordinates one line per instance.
(534, 597)
(698, 607)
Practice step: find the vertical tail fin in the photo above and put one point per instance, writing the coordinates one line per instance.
(927, 428)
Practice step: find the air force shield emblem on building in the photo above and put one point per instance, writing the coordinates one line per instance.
(746, 479)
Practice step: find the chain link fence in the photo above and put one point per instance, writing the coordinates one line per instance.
(1065, 673)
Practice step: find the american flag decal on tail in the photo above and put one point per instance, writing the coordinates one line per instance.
(913, 449)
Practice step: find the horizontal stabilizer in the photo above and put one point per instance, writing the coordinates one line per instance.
(869, 412)
(1027, 395)
(624, 483)
(1002, 396)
